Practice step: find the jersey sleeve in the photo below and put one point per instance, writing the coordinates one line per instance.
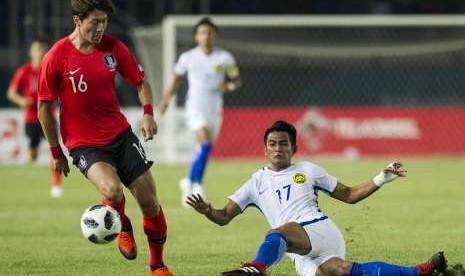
(244, 196)
(18, 80)
(128, 66)
(181, 66)
(230, 60)
(323, 180)
(49, 79)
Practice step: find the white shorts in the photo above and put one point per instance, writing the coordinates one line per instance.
(196, 120)
(327, 242)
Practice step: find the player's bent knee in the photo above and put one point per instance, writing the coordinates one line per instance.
(285, 228)
(343, 269)
(335, 267)
(297, 239)
(113, 193)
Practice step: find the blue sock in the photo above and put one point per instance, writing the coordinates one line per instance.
(381, 268)
(272, 249)
(200, 163)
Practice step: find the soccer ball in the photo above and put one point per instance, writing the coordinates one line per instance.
(100, 224)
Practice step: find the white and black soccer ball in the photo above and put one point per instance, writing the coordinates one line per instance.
(100, 224)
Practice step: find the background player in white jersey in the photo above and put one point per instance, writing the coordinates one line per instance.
(211, 71)
(286, 193)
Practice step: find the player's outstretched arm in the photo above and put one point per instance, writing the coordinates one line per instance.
(359, 192)
(48, 125)
(220, 217)
(172, 88)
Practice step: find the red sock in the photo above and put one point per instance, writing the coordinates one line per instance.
(259, 265)
(119, 207)
(425, 268)
(56, 176)
(155, 229)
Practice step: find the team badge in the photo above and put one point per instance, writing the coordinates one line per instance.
(110, 61)
(219, 68)
(299, 178)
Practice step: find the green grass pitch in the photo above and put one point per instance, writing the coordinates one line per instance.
(405, 222)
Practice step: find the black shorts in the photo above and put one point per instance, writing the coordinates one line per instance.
(125, 153)
(34, 133)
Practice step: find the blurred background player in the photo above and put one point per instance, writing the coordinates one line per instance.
(23, 92)
(211, 71)
(79, 71)
(287, 195)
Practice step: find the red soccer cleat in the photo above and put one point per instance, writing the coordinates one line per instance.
(436, 264)
(127, 245)
(163, 271)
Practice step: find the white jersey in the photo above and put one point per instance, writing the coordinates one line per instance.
(287, 195)
(204, 74)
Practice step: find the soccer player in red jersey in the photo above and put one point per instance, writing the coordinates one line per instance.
(79, 71)
(23, 92)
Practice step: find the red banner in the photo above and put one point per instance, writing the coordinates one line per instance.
(350, 131)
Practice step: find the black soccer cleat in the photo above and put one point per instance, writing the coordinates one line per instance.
(435, 265)
(246, 269)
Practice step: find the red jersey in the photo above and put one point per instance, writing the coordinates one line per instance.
(85, 85)
(25, 79)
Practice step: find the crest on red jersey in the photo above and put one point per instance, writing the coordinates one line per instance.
(110, 61)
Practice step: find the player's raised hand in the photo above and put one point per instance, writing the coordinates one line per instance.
(197, 202)
(395, 168)
(148, 127)
(389, 173)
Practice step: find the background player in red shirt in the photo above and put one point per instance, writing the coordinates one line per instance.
(79, 71)
(23, 92)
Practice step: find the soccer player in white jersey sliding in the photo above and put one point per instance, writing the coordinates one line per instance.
(286, 194)
(211, 71)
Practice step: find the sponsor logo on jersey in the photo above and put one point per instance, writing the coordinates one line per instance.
(72, 72)
(219, 68)
(110, 61)
(299, 178)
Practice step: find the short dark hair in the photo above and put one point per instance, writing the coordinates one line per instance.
(284, 127)
(82, 8)
(205, 21)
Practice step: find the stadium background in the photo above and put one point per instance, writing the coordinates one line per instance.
(352, 90)
(378, 86)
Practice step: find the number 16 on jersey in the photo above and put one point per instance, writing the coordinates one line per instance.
(81, 86)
